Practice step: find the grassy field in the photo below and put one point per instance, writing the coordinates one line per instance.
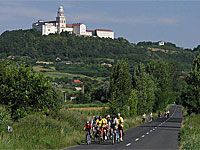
(56, 74)
(190, 133)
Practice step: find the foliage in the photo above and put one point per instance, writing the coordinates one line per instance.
(191, 96)
(69, 47)
(120, 87)
(133, 102)
(146, 87)
(24, 92)
(190, 133)
(164, 76)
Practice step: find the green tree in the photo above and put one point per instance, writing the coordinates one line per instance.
(133, 102)
(163, 75)
(24, 91)
(145, 87)
(120, 87)
(191, 96)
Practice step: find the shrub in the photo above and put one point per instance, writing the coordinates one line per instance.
(25, 91)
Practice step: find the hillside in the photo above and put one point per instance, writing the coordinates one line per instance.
(76, 50)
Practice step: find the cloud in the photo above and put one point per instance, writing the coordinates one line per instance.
(168, 21)
(133, 20)
(11, 11)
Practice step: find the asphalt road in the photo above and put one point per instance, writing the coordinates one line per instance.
(159, 134)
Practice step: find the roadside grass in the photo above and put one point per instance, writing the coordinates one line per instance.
(132, 122)
(190, 133)
(58, 130)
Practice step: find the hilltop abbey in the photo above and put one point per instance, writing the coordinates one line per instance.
(60, 25)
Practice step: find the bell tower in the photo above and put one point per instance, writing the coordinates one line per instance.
(61, 19)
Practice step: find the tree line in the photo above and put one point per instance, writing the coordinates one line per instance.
(153, 86)
(32, 44)
(149, 88)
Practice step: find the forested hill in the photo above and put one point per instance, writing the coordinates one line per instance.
(91, 49)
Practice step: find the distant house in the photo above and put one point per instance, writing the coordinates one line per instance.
(77, 81)
(78, 88)
(161, 43)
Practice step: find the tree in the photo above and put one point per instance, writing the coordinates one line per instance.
(24, 91)
(163, 75)
(146, 87)
(120, 87)
(133, 102)
(191, 96)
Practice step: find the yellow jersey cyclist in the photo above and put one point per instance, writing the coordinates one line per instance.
(120, 126)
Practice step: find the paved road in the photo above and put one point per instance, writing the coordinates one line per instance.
(159, 134)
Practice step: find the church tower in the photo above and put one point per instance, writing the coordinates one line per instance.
(61, 19)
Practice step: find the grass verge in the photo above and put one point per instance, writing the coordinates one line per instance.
(55, 131)
(190, 133)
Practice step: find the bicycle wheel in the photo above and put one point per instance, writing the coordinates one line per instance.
(88, 138)
(113, 138)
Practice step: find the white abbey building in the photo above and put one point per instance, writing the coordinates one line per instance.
(60, 25)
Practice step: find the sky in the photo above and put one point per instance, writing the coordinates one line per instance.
(145, 20)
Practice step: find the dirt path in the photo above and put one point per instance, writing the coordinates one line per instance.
(88, 108)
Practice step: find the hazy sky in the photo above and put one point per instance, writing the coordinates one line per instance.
(173, 21)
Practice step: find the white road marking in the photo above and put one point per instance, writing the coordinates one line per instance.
(128, 144)
(147, 133)
(150, 130)
(143, 136)
(153, 129)
(137, 139)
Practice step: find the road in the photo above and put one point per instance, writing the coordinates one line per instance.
(159, 134)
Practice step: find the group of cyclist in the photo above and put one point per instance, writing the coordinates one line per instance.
(147, 117)
(103, 127)
(108, 126)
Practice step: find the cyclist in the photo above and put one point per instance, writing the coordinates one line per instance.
(144, 117)
(150, 117)
(120, 126)
(100, 126)
(87, 128)
(94, 125)
(114, 128)
(167, 113)
(104, 128)
(108, 125)
(159, 114)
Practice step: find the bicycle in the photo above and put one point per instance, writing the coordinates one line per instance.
(115, 136)
(88, 137)
(97, 135)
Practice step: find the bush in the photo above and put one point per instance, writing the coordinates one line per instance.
(24, 91)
